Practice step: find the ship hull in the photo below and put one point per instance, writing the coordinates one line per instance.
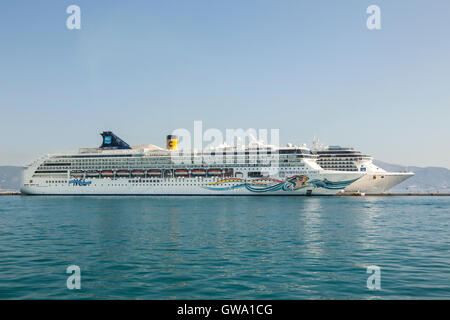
(379, 182)
(302, 184)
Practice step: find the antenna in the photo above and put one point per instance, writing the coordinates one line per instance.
(315, 143)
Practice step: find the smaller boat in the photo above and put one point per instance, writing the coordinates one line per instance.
(107, 173)
(154, 172)
(181, 172)
(77, 173)
(123, 173)
(92, 173)
(138, 173)
(198, 172)
(214, 172)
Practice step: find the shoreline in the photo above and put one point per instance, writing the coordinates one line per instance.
(393, 194)
(10, 193)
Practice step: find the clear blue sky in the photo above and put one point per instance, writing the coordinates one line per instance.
(144, 68)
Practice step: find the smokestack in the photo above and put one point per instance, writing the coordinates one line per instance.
(172, 142)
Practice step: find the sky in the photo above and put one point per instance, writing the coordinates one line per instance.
(308, 68)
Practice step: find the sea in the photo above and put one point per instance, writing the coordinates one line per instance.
(255, 247)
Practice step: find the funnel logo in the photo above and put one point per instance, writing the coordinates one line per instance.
(108, 140)
(172, 142)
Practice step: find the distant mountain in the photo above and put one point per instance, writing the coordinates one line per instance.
(10, 177)
(426, 179)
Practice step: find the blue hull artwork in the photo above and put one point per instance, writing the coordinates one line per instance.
(293, 183)
(80, 182)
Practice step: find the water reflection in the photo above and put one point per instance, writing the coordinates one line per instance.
(311, 227)
(229, 247)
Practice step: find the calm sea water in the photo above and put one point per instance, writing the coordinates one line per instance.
(224, 247)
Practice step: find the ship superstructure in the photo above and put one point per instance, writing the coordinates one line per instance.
(345, 159)
(116, 168)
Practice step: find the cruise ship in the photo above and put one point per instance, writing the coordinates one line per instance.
(344, 159)
(116, 168)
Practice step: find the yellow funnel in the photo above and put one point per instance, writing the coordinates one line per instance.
(172, 142)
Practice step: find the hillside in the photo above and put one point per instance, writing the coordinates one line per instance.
(10, 177)
(426, 179)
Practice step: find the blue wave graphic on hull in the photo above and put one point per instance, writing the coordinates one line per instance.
(293, 183)
(80, 182)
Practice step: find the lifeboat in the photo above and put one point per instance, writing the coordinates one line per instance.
(123, 173)
(181, 172)
(107, 173)
(215, 172)
(138, 173)
(154, 172)
(77, 173)
(92, 174)
(198, 172)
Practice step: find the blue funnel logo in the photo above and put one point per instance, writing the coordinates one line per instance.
(111, 141)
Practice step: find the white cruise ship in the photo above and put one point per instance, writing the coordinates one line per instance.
(115, 168)
(376, 180)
